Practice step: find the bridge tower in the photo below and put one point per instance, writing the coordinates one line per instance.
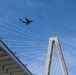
(49, 56)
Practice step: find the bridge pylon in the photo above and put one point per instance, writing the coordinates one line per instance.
(49, 56)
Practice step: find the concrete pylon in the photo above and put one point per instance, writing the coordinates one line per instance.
(49, 56)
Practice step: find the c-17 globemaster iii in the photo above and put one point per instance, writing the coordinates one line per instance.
(27, 21)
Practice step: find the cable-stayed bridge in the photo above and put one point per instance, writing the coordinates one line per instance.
(33, 49)
(33, 55)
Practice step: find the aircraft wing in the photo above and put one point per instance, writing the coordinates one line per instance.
(22, 21)
(27, 19)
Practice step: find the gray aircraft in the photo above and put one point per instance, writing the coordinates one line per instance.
(27, 21)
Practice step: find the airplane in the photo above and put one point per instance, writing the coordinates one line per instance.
(27, 21)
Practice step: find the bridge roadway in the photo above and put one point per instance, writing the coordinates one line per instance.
(10, 64)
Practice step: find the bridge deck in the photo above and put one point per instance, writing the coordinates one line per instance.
(10, 64)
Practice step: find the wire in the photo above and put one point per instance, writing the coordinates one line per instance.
(20, 31)
(16, 34)
(19, 41)
(35, 53)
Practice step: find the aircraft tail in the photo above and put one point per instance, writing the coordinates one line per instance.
(20, 20)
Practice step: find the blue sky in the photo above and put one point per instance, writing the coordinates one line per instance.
(50, 18)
